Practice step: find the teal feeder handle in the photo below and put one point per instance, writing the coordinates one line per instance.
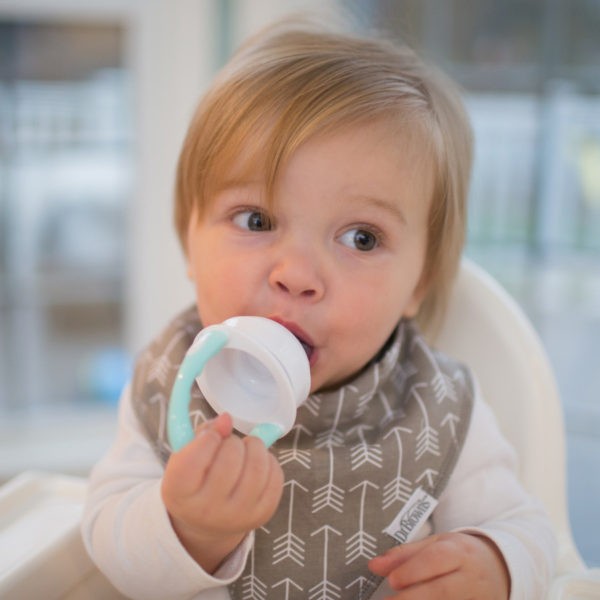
(179, 426)
(269, 433)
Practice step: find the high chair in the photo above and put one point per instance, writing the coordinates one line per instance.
(42, 555)
(488, 331)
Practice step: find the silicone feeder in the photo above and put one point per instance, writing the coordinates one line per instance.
(251, 367)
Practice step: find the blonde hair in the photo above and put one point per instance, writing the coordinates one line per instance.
(294, 81)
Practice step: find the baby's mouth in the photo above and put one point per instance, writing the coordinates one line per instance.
(307, 347)
(298, 333)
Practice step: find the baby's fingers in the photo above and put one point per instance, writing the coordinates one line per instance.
(396, 556)
(250, 479)
(451, 585)
(266, 488)
(222, 424)
(421, 561)
(256, 473)
(187, 469)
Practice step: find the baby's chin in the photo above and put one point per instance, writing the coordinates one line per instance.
(323, 384)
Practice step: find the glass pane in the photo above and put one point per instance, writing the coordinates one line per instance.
(583, 39)
(496, 33)
(66, 174)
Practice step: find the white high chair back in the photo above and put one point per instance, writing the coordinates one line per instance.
(488, 331)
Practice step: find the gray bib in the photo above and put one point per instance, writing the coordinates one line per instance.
(364, 464)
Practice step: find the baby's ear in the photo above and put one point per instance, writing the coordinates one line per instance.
(192, 224)
(189, 268)
(419, 294)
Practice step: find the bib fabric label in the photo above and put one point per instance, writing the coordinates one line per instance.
(415, 512)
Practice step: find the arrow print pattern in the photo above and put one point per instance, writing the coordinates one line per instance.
(361, 544)
(442, 382)
(290, 545)
(294, 453)
(289, 585)
(428, 436)
(325, 589)
(329, 495)
(399, 488)
(252, 587)
(363, 452)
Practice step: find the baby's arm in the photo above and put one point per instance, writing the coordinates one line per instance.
(128, 532)
(491, 524)
(217, 489)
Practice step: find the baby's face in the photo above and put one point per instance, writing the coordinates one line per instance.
(338, 259)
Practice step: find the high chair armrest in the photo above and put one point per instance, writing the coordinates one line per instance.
(580, 585)
(41, 551)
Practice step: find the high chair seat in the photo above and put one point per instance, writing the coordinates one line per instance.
(486, 329)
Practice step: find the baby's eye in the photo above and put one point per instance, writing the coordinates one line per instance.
(361, 239)
(253, 220)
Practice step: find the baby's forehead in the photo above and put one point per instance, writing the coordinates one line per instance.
(265, 149)
(248, 177)
(363, 168)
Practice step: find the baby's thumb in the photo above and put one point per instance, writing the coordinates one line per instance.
(222, 424)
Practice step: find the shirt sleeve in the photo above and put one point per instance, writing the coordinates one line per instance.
(485, 497)
(127, 531)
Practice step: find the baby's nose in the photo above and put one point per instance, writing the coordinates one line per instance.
(296, 274)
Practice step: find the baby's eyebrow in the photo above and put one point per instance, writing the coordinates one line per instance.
(239, 184)
(249, 191)
(389, 206)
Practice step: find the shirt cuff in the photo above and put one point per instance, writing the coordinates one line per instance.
(229, 570)
(516, 558)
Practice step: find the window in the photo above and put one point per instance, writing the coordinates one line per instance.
(66, 171)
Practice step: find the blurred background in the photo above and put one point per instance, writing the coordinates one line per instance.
(95, 98)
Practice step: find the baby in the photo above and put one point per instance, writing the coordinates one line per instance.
(322, 184)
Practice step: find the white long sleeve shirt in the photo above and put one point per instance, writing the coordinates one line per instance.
(127, 531)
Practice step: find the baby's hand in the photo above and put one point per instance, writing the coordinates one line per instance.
(218, 488)
(448, 565)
